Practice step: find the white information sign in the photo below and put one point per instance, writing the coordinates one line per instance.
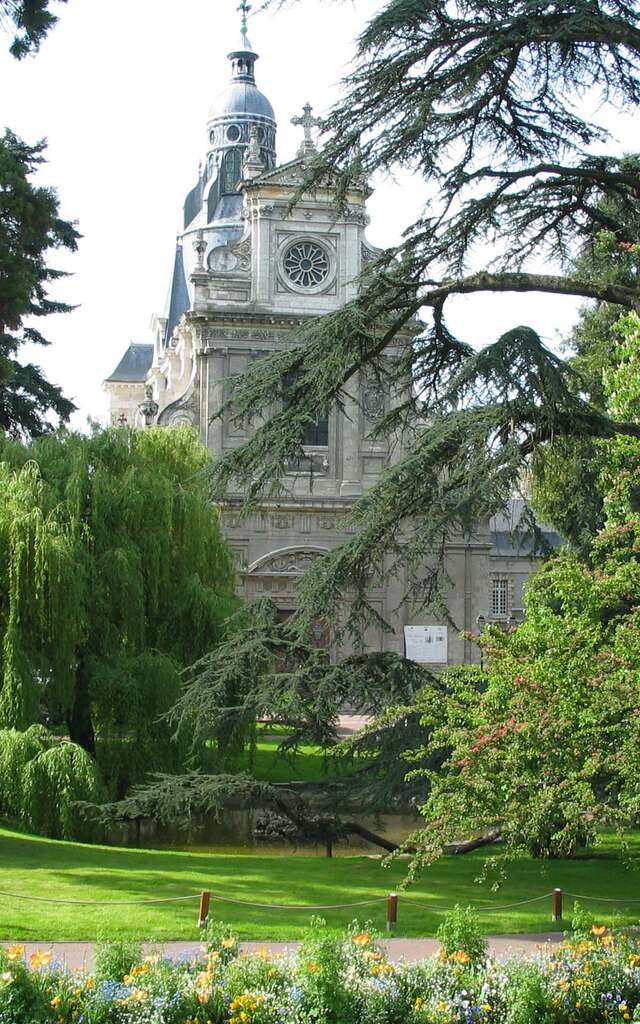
(426, 644)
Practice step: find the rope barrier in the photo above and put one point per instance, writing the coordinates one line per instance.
(409, 902)
(600, 899)
(479, 910)
(297, 906)
(97, 903)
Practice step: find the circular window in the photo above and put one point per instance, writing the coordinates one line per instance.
(233, 133)
(306, 264)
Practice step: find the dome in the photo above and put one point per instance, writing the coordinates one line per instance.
(241, 98)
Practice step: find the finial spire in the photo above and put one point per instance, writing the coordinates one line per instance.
(244, 9)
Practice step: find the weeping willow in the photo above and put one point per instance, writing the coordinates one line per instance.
(113, 577)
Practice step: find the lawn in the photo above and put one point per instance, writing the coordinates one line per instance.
(307, 764)
(69, 871)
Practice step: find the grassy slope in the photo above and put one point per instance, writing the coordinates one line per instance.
(42, 867)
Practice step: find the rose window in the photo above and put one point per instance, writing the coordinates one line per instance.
(306, 264)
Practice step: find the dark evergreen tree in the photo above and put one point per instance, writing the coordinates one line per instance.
(481, 100)
(29, 227)
(31, 20)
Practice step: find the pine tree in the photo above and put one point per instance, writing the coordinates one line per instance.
(32, 19)
(29, 227)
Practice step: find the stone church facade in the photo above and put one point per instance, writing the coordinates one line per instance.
(248, 271)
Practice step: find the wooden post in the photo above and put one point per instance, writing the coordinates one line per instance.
(392, 911)
(204, 908)
(556, 905)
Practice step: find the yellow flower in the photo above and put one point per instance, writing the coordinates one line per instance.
(362, 939)
(312, 967)
(15, 952)
(486, 1007)
(598, 929)
(39, 959)
(419, 1003)
(56, 1001)
(460, 957)
(139, 995)
(228, 943)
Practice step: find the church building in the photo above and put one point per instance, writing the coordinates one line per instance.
(248, 271)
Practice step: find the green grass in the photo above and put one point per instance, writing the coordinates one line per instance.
(307, 764)
(42, 867)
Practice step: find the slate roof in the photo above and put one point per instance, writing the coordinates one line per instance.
(134, 365)
(178, 296)
(510, 538)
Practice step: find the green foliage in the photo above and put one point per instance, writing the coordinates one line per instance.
(114, 577)
(32, 18)
(29, 228)
(113, 959)
(459, 933)
(426, 95)
(54, 782)
(17, 749)
(349, 981)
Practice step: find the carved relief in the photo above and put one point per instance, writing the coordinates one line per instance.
(185, 412)
(234, 256)
(242, 251)
(368, 253)
(290, 563)
(372, 398)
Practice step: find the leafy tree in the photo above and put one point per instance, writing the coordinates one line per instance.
(114, 577)
(547, 752)
(29, 227)
(481, 101)
(32, 19)
(42, 779)
(567, 488)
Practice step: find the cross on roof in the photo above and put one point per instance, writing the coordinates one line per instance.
(308, 122)
(244, 9)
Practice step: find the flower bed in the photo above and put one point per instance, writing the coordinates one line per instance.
(595, 976)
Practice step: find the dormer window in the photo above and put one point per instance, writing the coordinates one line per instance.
(231, 171)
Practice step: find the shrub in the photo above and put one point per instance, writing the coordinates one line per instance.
(114, 960)
(460, 938)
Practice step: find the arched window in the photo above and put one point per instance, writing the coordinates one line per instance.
(231, 170)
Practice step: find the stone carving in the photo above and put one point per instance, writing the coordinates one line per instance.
(248, 336)
(242, 251)
(200, 247)
(372, 398)
(368, 253)
(222, 260)
(290, 563)
(234, 256)
(357, 214)
(185, 412)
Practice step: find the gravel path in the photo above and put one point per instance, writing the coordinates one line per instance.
(80, 954)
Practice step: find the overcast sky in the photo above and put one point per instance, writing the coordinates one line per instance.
(121, 90)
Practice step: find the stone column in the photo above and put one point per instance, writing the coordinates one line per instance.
(350, 420)
(216, 365)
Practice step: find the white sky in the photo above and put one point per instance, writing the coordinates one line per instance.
(121, 90)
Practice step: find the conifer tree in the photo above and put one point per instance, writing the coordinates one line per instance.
(30, 226)
(481, 99)
(31, 19)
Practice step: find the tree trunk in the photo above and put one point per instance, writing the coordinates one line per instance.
(79, 721)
